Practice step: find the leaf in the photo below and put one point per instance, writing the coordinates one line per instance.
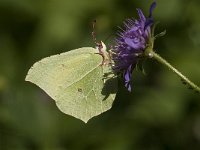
(76, 81)
(161, 34)
(140, 66)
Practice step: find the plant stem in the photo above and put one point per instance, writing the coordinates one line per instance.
(183, 78)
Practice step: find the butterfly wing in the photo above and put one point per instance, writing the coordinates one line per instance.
(75, 80)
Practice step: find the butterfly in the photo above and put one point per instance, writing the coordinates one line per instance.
(80, 81)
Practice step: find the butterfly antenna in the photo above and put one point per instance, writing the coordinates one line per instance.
(98, 44)
(93, 32)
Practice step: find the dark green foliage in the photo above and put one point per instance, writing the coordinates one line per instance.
(160, 113)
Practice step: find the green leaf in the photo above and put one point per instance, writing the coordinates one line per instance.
(140, 66)
(161, 34)
(77, 81)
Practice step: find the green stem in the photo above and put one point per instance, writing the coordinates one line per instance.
(184, 78)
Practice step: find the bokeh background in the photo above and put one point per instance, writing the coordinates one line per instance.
(160, 113)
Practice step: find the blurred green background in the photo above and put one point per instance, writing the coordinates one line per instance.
(160, 113)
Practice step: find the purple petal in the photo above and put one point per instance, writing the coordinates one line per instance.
(128, 86)
(148, 23)
(149, 20)
(152, 7)
(134, 28)
(134, 43)
(127, 77)
(141, 15)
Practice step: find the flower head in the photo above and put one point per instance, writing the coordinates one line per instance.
(132, 42)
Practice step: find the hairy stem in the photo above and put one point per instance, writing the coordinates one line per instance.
(183, 78)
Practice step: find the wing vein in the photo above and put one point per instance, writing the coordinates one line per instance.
(84, 75)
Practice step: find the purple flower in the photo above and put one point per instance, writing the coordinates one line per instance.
(132, 42)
